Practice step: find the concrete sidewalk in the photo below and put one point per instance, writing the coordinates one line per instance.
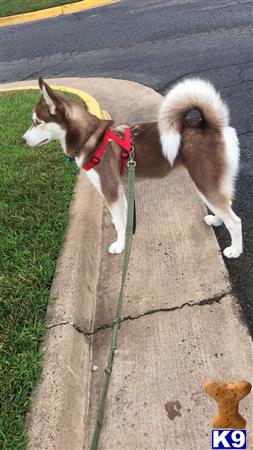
(181, 324)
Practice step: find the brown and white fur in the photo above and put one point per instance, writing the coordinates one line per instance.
(207, 146)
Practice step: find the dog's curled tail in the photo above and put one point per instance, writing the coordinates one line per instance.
(180, 100)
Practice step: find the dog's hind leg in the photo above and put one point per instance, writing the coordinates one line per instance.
(118, 210)
(213, 168)
(220, 206)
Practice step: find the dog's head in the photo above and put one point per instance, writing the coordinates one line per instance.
(59, 117)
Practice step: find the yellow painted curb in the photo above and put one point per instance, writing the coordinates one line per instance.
(91, 102)
(53, 12)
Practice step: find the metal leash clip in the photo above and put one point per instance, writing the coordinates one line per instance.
(131, 161)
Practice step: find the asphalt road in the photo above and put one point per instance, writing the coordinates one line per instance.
(156, 43)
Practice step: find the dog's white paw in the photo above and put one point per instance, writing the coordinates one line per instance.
(116, 247)
(232, 252)
(213, 220)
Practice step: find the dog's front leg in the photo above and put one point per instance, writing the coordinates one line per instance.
(118, 210)
(109, 186)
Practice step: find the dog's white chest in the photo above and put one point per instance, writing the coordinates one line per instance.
(94, 179)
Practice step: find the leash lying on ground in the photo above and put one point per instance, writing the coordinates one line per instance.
(130, 229)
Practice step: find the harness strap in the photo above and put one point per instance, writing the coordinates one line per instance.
(124, 144)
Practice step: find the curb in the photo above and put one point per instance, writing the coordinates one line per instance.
(90, 101)
(47, 13)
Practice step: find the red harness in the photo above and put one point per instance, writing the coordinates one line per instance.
(124, 144)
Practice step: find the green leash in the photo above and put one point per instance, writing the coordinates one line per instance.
(116, 321)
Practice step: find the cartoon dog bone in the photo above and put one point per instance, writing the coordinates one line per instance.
(228, 395)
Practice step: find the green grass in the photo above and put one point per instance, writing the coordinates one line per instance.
(12, 7)
(35, 191)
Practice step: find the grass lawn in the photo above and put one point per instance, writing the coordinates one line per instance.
(35, 191)
(11, 7)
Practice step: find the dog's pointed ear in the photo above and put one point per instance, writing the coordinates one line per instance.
(49, 96)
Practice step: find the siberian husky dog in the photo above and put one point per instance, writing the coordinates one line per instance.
(207, 146)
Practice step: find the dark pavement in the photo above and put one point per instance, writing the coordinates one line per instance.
(156, 43)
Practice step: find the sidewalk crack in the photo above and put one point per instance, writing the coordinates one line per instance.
(208, 301)
(69, 323)
(78, 328)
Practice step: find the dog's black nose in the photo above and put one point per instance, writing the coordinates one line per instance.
(23, 140)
